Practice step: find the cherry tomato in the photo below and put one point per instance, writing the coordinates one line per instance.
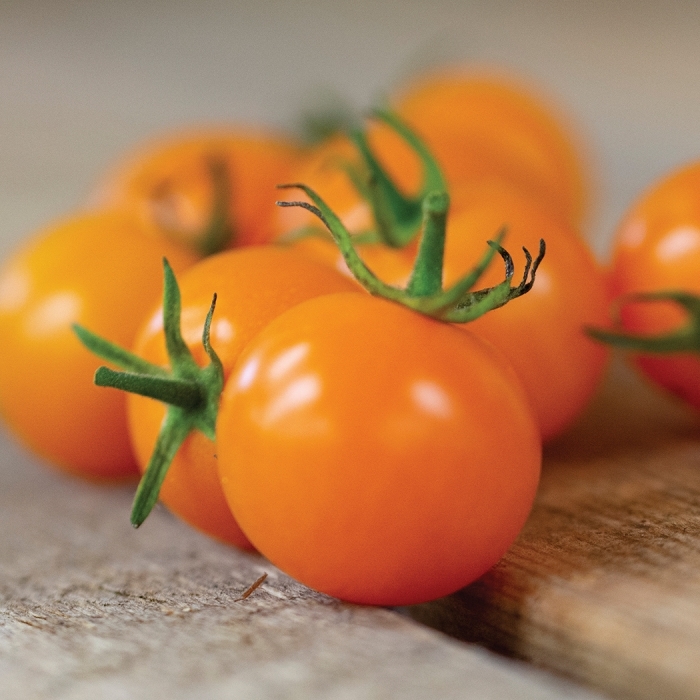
(657, 247)
(481, 126)
(375, 454)
(173, 182)
(93, 269)
(253, 286)
(542, 334)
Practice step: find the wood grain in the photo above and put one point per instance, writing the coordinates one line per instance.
(91, 608)
(604, 582)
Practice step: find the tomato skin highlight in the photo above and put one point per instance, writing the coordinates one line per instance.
(93, 269)
(657, 247)
(170, 181)
(375, 454)
(253, 286)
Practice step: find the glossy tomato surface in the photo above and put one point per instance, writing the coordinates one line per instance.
(374, 454)
(253, 286)
(657, 247)
(483, 126)
(96, 270)
(170, 181)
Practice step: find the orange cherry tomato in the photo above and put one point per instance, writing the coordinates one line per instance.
(482, 126)
(657, 247)
(93, 269)
(253, 286)
(173, 182)
(375, 454)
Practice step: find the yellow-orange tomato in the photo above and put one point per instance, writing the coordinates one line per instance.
(375, 454)
(480, 126)
(253, 286)
(657, 247)
(172, 182)
(95, 270)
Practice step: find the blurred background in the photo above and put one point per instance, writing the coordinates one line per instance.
(81, 80)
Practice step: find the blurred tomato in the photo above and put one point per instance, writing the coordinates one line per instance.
(190, 184)
(94, 269)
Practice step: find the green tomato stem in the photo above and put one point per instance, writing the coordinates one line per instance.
(684, 339)
(426, 278)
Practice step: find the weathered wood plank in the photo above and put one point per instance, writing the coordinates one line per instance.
(90, 608)
(604, 583)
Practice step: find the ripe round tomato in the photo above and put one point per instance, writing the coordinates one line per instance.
(172, 182)
(93, 269)
(657, 247)
(375, 454)
(480, 126)
(253, 286)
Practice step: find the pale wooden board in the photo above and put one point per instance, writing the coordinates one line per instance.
(604, 582)
(90, 608)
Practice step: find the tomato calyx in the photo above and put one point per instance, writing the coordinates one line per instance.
(219, 231)
(424, 292)
(398, 217)
(191, 392)
(684, 339)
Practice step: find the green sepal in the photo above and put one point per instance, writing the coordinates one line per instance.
(191, 392)
(175, 392)
(173, 432)
(456, 304)
(684, 339)
(112, 353)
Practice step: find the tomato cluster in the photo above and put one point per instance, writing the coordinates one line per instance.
(355, 383)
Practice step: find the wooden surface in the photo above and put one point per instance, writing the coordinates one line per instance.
(604, 583)
(90, 608)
